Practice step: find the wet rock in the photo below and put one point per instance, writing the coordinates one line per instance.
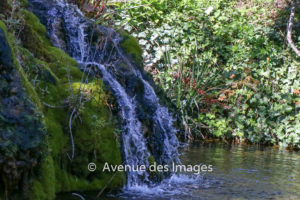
(5, 52)
(21, 131)
(58, 34)
(14, 91)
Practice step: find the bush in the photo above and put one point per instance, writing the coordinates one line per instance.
(224, 64)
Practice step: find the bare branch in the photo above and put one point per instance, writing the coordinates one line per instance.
(71, 134)
(290, 29)
(109, 181)
(78, 195)
(51, 106)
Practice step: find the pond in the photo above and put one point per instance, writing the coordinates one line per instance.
(239, 172)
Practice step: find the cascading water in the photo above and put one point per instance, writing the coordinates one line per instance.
(71, 31)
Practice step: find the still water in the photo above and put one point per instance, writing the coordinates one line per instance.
(239, 172)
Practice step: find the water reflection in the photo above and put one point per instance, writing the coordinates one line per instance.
(248, 172)
(240, 172)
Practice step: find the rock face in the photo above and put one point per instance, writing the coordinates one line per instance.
(21, 129)
(40, 86)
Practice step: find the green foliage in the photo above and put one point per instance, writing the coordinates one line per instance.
(223, 63)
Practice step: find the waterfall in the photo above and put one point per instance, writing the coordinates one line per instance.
(72, 32)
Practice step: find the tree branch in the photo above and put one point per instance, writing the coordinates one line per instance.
(290, 29)
(51, 106)
(71, 134)
(78, 195)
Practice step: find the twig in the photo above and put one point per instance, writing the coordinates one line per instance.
(290, 28)
(51, 106)
(71, 134)
(109, 181)
(78, 195)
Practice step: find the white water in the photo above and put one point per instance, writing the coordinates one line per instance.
(136, 152)
(178, 186)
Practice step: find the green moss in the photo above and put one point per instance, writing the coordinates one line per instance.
(34, 23)
(66, 182)
(30, 90)
(26, 84)
(3, 27)
(35, 67)
(91, 143)
(37, 191)
(57, 140)
(34, 38)
(101, 141)
(131, 46)
(44, 187)
(24, 3)
(93, 135)
(151, 160)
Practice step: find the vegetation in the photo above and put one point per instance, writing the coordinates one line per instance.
(225, 64)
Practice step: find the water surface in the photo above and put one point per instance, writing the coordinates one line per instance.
(239, 172)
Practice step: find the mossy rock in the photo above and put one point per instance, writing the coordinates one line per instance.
(131, 46)
(58, 81)
(34, 38)
(93, 135)
(20, 121)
